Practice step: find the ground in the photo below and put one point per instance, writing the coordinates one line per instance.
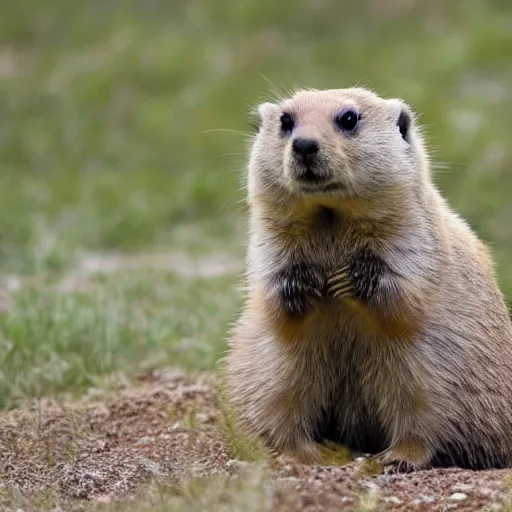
(123, 138)
(160, 441)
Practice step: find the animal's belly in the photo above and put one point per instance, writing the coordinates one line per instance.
(357, 429)
(351, 415)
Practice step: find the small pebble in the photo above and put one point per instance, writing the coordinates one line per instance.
(202, 418)
(458, 496)
(423, 499)
(462, 487)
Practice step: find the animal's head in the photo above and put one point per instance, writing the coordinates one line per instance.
(345, 143)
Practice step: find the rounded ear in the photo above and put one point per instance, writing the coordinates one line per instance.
(404, 117)
(259, 113)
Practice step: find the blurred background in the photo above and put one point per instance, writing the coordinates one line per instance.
(123, 136)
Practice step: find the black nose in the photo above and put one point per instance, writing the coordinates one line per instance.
(305, 147)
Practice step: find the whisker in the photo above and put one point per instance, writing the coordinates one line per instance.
(225, 130)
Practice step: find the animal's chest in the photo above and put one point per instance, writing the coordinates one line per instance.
(331, 248)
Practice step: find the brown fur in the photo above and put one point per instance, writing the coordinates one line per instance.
(423, 374)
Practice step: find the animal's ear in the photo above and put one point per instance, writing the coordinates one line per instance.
(258, 114)
(403, 117)
(404, 124)
(265, 109)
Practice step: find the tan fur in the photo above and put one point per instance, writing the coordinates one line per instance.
(432, 364)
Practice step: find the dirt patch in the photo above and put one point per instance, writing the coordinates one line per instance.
(80, 279)
(181, 263)
(165, 427)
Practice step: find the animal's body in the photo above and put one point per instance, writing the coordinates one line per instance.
(373, 317)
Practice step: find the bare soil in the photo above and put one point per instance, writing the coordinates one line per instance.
(107, 447)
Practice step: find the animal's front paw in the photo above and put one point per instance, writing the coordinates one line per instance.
(298, 286)
(341, 284)
(359, 278)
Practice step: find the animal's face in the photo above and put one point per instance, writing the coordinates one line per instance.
(346, 143)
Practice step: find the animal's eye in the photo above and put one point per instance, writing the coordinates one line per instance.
(347, 121)
(287, 122)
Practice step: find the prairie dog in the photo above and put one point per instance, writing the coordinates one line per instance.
(373, 317)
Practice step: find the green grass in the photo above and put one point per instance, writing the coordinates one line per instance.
(53, 341)
(112, 139)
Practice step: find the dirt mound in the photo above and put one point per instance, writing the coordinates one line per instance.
(164, 430)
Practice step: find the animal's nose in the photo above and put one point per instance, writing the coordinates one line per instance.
(305, 147)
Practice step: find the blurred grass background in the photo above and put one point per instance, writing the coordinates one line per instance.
(122, 129)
